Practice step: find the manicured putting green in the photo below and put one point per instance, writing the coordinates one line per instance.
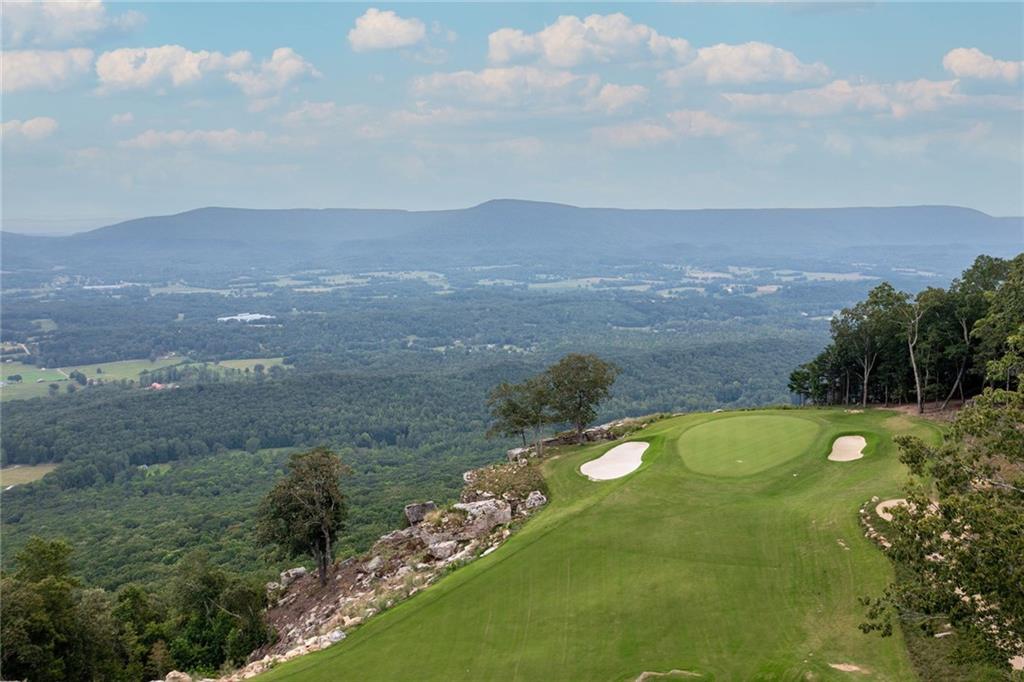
(746, 444)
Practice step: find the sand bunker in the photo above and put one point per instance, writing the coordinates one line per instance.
(847, 448)
(883, 507)
(616, 463)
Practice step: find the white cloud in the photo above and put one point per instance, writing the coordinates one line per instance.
(684, 123)
(612, 98)
(273, 75)
(45, 69)
(127, 118)
(142, 67)
(44, 24)
(752, 62)
(32, 129)
(323, 113)
(385, 30)
(838, 97)
(501, 85)
(571, 41)
(964, 62)
(227, 140)
(690, 123)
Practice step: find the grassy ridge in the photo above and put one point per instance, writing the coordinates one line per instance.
(734, 574)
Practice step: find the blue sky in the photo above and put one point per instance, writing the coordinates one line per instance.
(117, 110)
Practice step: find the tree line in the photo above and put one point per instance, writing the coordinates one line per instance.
(935, 345)
(567, 392)
(958, 542)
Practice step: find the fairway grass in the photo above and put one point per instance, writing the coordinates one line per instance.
(695, 562)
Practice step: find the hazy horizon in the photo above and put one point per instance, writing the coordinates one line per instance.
(59, 227)
(133, 109)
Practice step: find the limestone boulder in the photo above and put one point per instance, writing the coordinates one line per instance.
(443, 550)
(482, 516)
(417, 511)
(535, 499)
(291, 575)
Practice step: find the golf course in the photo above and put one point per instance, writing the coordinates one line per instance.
(733, 552)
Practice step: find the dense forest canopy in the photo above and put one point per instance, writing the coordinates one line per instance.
(931, 346)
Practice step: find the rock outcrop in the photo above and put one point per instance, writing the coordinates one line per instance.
(417, 511)
(482, 516)
(609, 431)
(308, 617)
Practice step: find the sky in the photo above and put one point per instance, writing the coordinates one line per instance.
(117, 110)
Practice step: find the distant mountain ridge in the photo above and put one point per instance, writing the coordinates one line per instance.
(909, 224)
(515, 228)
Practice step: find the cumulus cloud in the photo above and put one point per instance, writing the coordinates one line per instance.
(970, 62)
(273, 75)
(500, 85)
(43, 69)
(752, 62)
(126, 118)
(572, 41)
(385, 30)
(142, 67)
(612, 98)
(839, 97)
(32, 129)
(323, 113)
(227, 140)
(684, 123)
(46, 24)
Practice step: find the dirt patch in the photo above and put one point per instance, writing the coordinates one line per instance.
(671, 675)
(848, 668)
(847, 448)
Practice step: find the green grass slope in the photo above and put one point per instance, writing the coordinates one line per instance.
(733, 570)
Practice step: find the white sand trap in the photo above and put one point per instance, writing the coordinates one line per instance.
(883, 507)
(847, 448)
(616, 463)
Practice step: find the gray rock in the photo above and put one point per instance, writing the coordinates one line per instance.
(482, 516)
(335, 636)
(291, 575)
(416, 512)
(175, 676)
(535, 499)
(373, 564)
(443, 550)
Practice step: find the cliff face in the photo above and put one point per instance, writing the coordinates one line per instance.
(308, 617)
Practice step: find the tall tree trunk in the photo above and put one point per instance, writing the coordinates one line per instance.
(867, 376)
(846, 397)
(917, 375)
(959, 378)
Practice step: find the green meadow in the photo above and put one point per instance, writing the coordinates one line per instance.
(23, 473)
(734, 552)
(31, 387)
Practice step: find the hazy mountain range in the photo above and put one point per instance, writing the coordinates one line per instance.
(234, 237)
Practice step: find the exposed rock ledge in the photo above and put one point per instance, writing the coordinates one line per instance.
(308, 618)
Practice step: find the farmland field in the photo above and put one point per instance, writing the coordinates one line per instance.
(30, 387)
(696, 562)
(19, 474)
(249, 363)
